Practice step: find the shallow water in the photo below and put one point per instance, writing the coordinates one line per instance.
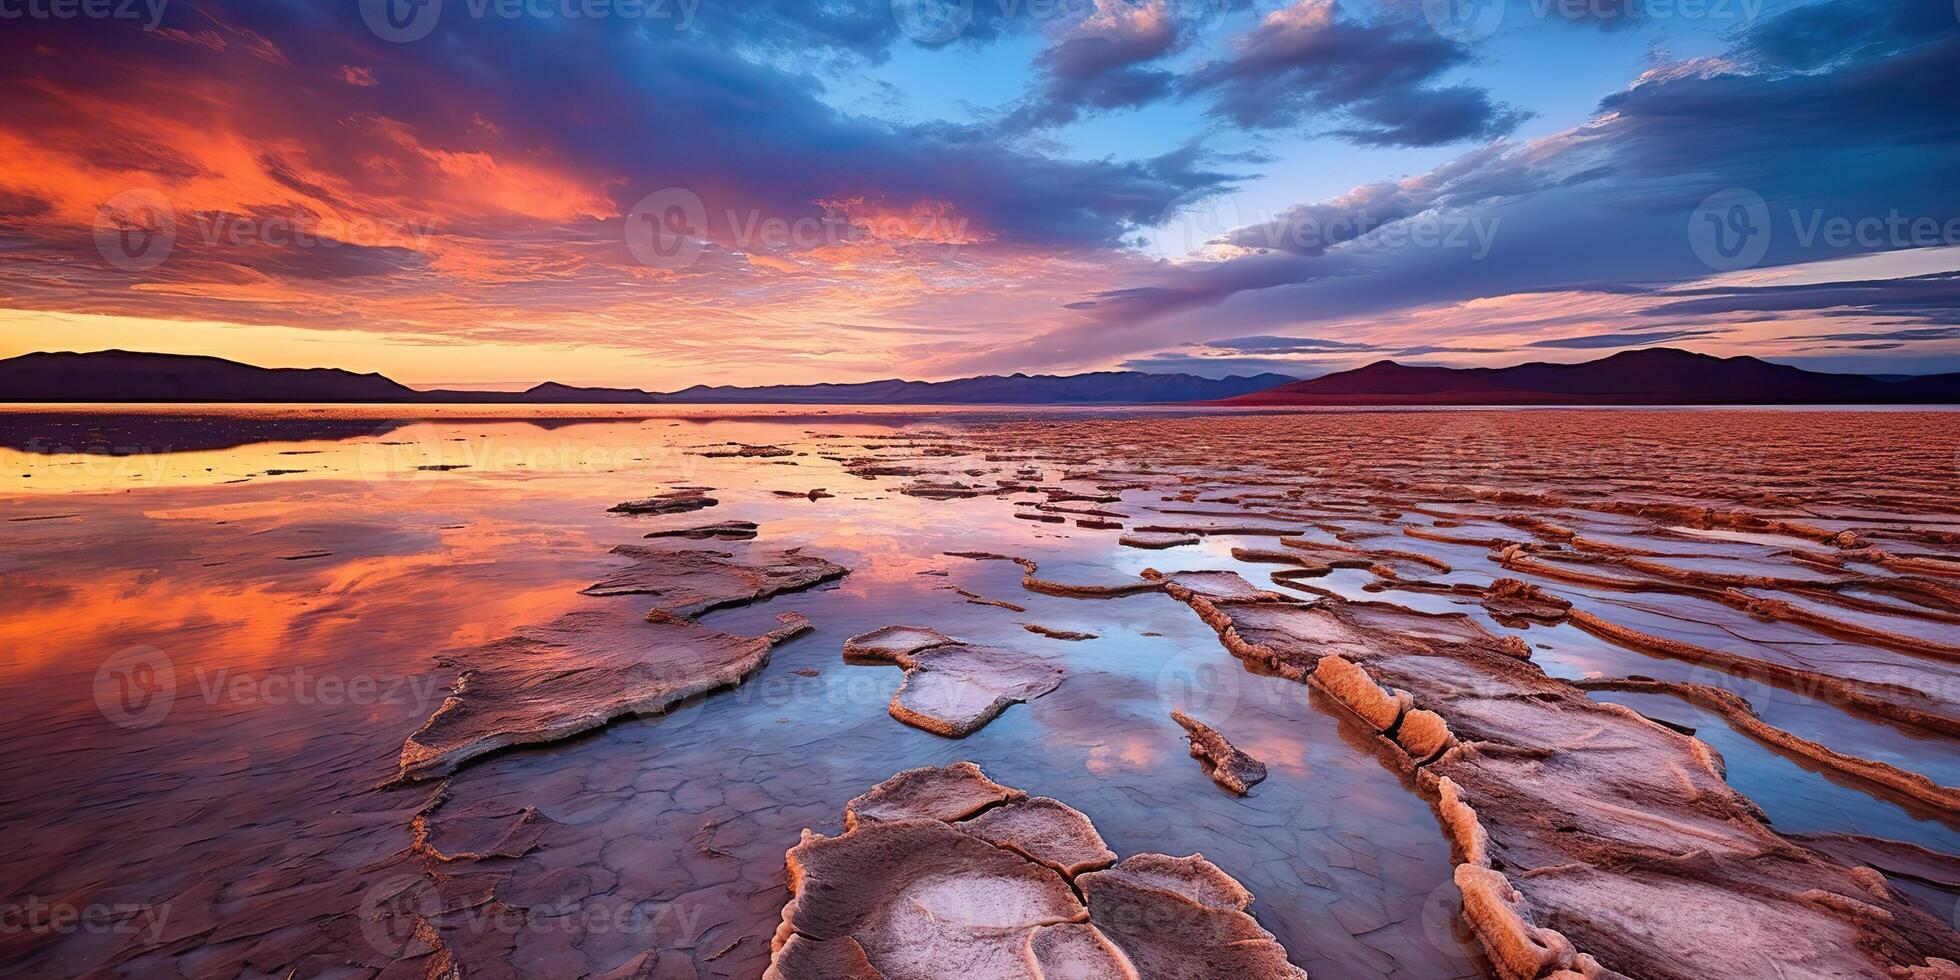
(211, 666)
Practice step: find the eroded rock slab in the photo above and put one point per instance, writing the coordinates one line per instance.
(689, 582)
(893, 643)
(724, 530)
(1182, 917)
(944, 793)
(1222, 761)
(923, 900)
(749, 452)
(1046, 831)
(1156, 541)
(1057, 634)
(588, 668)
(1078, 951)
(953, 688)
(672, 502)
(996, 896)
(1512, 601)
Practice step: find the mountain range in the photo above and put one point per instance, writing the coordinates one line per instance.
(126, 376)
(1652, 376)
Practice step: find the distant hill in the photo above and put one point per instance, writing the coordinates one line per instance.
(552, 391)
(1112, 387)
(1655, 376)
(126, 376)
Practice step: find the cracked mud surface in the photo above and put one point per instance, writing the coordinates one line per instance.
(1473, 787)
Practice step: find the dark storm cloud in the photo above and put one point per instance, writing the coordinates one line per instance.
(1308, 61)
(1104, 61)
(1817, 34)
(1931, 294)
(1432, 117)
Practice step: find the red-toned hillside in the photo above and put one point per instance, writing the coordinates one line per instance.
(1657, 376)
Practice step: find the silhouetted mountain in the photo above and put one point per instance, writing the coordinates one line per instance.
(123, 376)
(1111, 387)
(1655, 376)
(552, 391)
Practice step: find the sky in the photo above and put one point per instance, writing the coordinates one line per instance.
(659, 193)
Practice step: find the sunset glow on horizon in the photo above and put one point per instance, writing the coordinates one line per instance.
(495, 193)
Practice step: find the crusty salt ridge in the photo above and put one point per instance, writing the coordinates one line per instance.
(945, 793)
(918, 898)
(689, 582)
(891, 643)
(1508, 599)
(1918, 708)
(1590, 838)
(1078, 951)
(1175, 917)
(546, 683)
(924, 900)
(1046, 831)
(1741, 715)
(1222, 761)
(953, 688)
(831, 959)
